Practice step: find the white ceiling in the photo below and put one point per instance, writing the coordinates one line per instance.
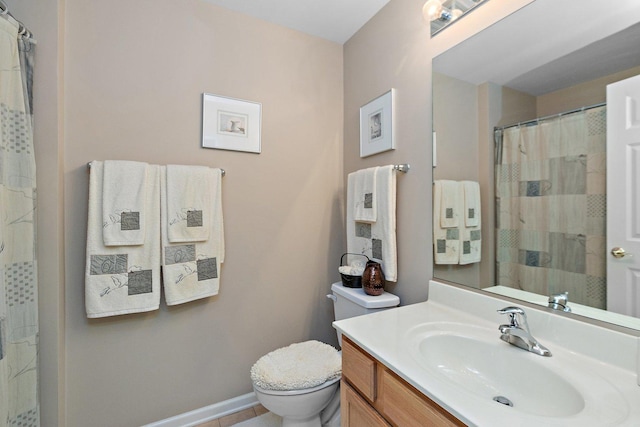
(335, 20)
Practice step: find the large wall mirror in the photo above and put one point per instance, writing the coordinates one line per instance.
(521, 109)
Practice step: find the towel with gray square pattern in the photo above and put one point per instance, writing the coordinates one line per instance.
(191, 270)
(376, 239)
(123, 279)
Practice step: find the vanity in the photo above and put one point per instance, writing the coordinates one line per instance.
(442, 363)
(373, 395)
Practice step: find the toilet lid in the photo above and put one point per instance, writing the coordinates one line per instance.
(298, 366)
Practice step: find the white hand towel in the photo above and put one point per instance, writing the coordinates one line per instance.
(377, 240)
(189, 200)
(450, 204)
(123, 199)
(446, 241)
(471, 203)
(122, 279)
(364, 194)
(471, 234)
(191, 270)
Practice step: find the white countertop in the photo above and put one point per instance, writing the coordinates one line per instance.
(583, 354)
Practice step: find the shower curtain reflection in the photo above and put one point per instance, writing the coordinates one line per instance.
(550, 206)
(19, 404)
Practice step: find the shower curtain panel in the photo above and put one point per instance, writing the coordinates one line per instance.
(550, 207)
(18, 276)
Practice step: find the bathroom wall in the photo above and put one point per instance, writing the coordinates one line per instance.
(392, 51)
(456, 123)
(134, 77)
(580, 95)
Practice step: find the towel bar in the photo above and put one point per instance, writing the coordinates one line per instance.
(402, 168)
(221, 170)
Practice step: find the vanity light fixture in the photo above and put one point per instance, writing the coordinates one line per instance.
(434, 10)
(441, 13)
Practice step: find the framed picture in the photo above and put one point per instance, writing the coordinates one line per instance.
(231, 124)
(376, 125)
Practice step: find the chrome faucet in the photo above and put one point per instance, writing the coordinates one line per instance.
(560, 302)
(517, 332)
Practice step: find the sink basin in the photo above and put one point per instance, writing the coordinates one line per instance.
(476, 361)
(500, 374)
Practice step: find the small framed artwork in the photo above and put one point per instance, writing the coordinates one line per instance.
(376, 125)
(231, 124)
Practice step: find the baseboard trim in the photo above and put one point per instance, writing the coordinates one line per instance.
(208, 413)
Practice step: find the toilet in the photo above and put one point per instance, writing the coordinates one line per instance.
(301, 382)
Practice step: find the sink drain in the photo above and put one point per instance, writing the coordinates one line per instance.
(503, 400)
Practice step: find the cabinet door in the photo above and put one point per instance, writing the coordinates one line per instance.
(403, 406)
(355, 411)
(359, 369)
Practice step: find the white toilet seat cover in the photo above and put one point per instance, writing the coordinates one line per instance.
(298, 366)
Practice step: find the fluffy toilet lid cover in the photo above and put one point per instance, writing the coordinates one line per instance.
(298, 366)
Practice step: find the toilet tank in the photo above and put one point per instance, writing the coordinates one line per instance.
(352, 302)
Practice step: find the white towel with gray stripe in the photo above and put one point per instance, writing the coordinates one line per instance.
(365, 207)
(470, 230)
(446, 240)
(376, 240)
(191, 270)
(189, 199)
(122, 279)
(124, 190)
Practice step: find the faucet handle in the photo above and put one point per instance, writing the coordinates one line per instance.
(513, 312)
(560, 302)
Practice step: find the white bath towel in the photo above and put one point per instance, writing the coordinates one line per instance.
(191, 270)
(470, 232)
(446, 241)
(377, 240)
(189, 200)
(450, 204)
(363, 196)
(124, 186)
(122, 279)
(298, 366)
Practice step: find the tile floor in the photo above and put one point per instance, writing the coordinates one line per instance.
(238, 417)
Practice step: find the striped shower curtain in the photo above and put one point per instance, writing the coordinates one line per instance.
(550, 207)
(19, 404)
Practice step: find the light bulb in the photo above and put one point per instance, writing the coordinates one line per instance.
(432, 10)
(455, 14)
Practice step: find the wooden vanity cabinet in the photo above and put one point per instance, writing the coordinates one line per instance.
(374, 396)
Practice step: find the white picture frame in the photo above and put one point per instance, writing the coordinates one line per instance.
(376, 125)
(231, 124)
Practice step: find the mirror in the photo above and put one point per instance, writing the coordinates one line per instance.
(544, 61)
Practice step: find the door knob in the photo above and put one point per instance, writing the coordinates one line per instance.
(618, 252)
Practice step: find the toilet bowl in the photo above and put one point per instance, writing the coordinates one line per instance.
(299, 408)
(301, 382)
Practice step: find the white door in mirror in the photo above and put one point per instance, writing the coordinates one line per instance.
(623, 196)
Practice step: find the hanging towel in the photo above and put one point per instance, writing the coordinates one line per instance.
(123, 199)
(471, 203)
(376, 240)
(446, 241)
(364, 194)
(191, 270)
(470, 232)
(189, 200)
(450, 204)
(122, 279)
